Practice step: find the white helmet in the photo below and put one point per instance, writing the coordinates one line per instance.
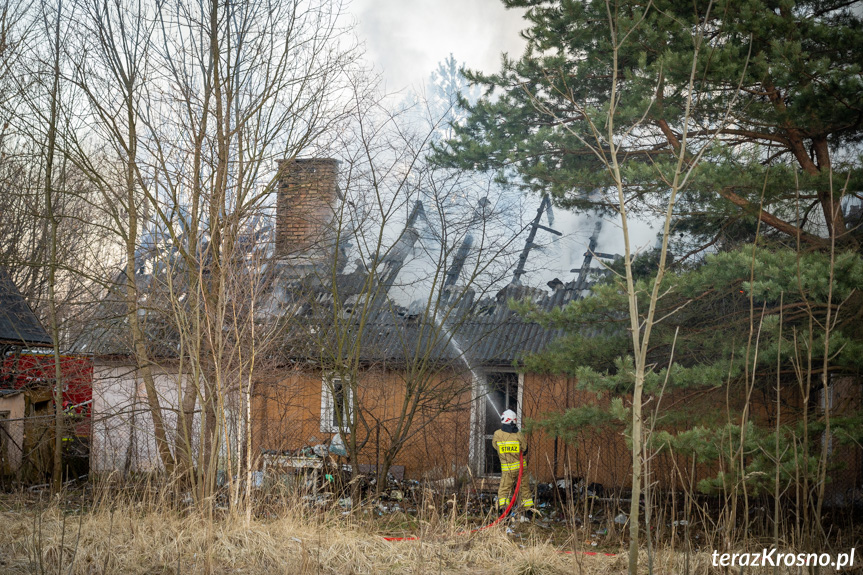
(508, 416)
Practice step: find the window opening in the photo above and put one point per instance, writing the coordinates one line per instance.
(336, 405)
(341, 406)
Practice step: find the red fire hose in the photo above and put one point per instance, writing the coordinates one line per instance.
(502, 515)
(493, 523)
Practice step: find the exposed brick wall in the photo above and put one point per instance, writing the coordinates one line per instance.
(307, 190)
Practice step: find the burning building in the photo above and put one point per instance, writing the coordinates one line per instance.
(338, 350)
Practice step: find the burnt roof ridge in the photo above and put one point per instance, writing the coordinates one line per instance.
(302, 298)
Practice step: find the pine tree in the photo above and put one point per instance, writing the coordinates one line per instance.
(747, 328)
(762, 104)
(780, 86)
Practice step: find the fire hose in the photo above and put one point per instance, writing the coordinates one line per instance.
(501, 517)
(493, 523)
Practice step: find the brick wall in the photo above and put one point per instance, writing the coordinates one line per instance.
(306, 192)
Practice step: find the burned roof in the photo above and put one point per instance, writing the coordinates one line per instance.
(19, 326)
(317, 309)
(312, 312)
(460, 327)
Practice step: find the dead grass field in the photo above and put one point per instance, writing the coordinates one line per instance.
(136, 538)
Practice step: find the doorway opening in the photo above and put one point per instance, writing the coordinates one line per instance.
(502, 391)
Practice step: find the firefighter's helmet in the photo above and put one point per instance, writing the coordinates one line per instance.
(508, 416)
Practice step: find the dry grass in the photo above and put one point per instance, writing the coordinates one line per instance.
(138, 538)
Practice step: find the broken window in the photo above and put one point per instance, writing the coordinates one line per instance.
(502, 394)
(336, 404)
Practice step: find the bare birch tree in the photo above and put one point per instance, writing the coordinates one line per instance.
(190, 106)
(608, 141)
(53, 95)
(423, 246)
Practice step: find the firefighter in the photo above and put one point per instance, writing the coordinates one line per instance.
(509, 443)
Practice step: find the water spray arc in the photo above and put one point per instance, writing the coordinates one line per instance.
(456, 346)
(449, 297)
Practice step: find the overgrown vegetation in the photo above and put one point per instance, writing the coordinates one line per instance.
(138, 167)
(139, 529)
(735, 122)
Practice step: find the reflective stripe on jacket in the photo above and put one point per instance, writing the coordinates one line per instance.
(508, 446)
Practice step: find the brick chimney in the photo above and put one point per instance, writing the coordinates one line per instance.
(304, 204)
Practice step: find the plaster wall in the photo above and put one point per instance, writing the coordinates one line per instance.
(13, 429)
(123, 437)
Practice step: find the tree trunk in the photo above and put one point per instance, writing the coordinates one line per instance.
(142, 359)
(57, 473)
(832, 209)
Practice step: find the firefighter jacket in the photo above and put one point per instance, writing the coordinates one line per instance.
(509, 444)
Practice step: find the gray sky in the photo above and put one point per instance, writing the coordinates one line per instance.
(405, 39)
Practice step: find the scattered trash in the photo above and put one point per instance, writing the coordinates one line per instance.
(257, 478)
(320, 450)
(682, 522)
(318, 500)
(337, 446)
(595, 490)
(327, 483)
(544, 492)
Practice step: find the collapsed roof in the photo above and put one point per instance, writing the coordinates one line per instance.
(316, 309)
(312, 313)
